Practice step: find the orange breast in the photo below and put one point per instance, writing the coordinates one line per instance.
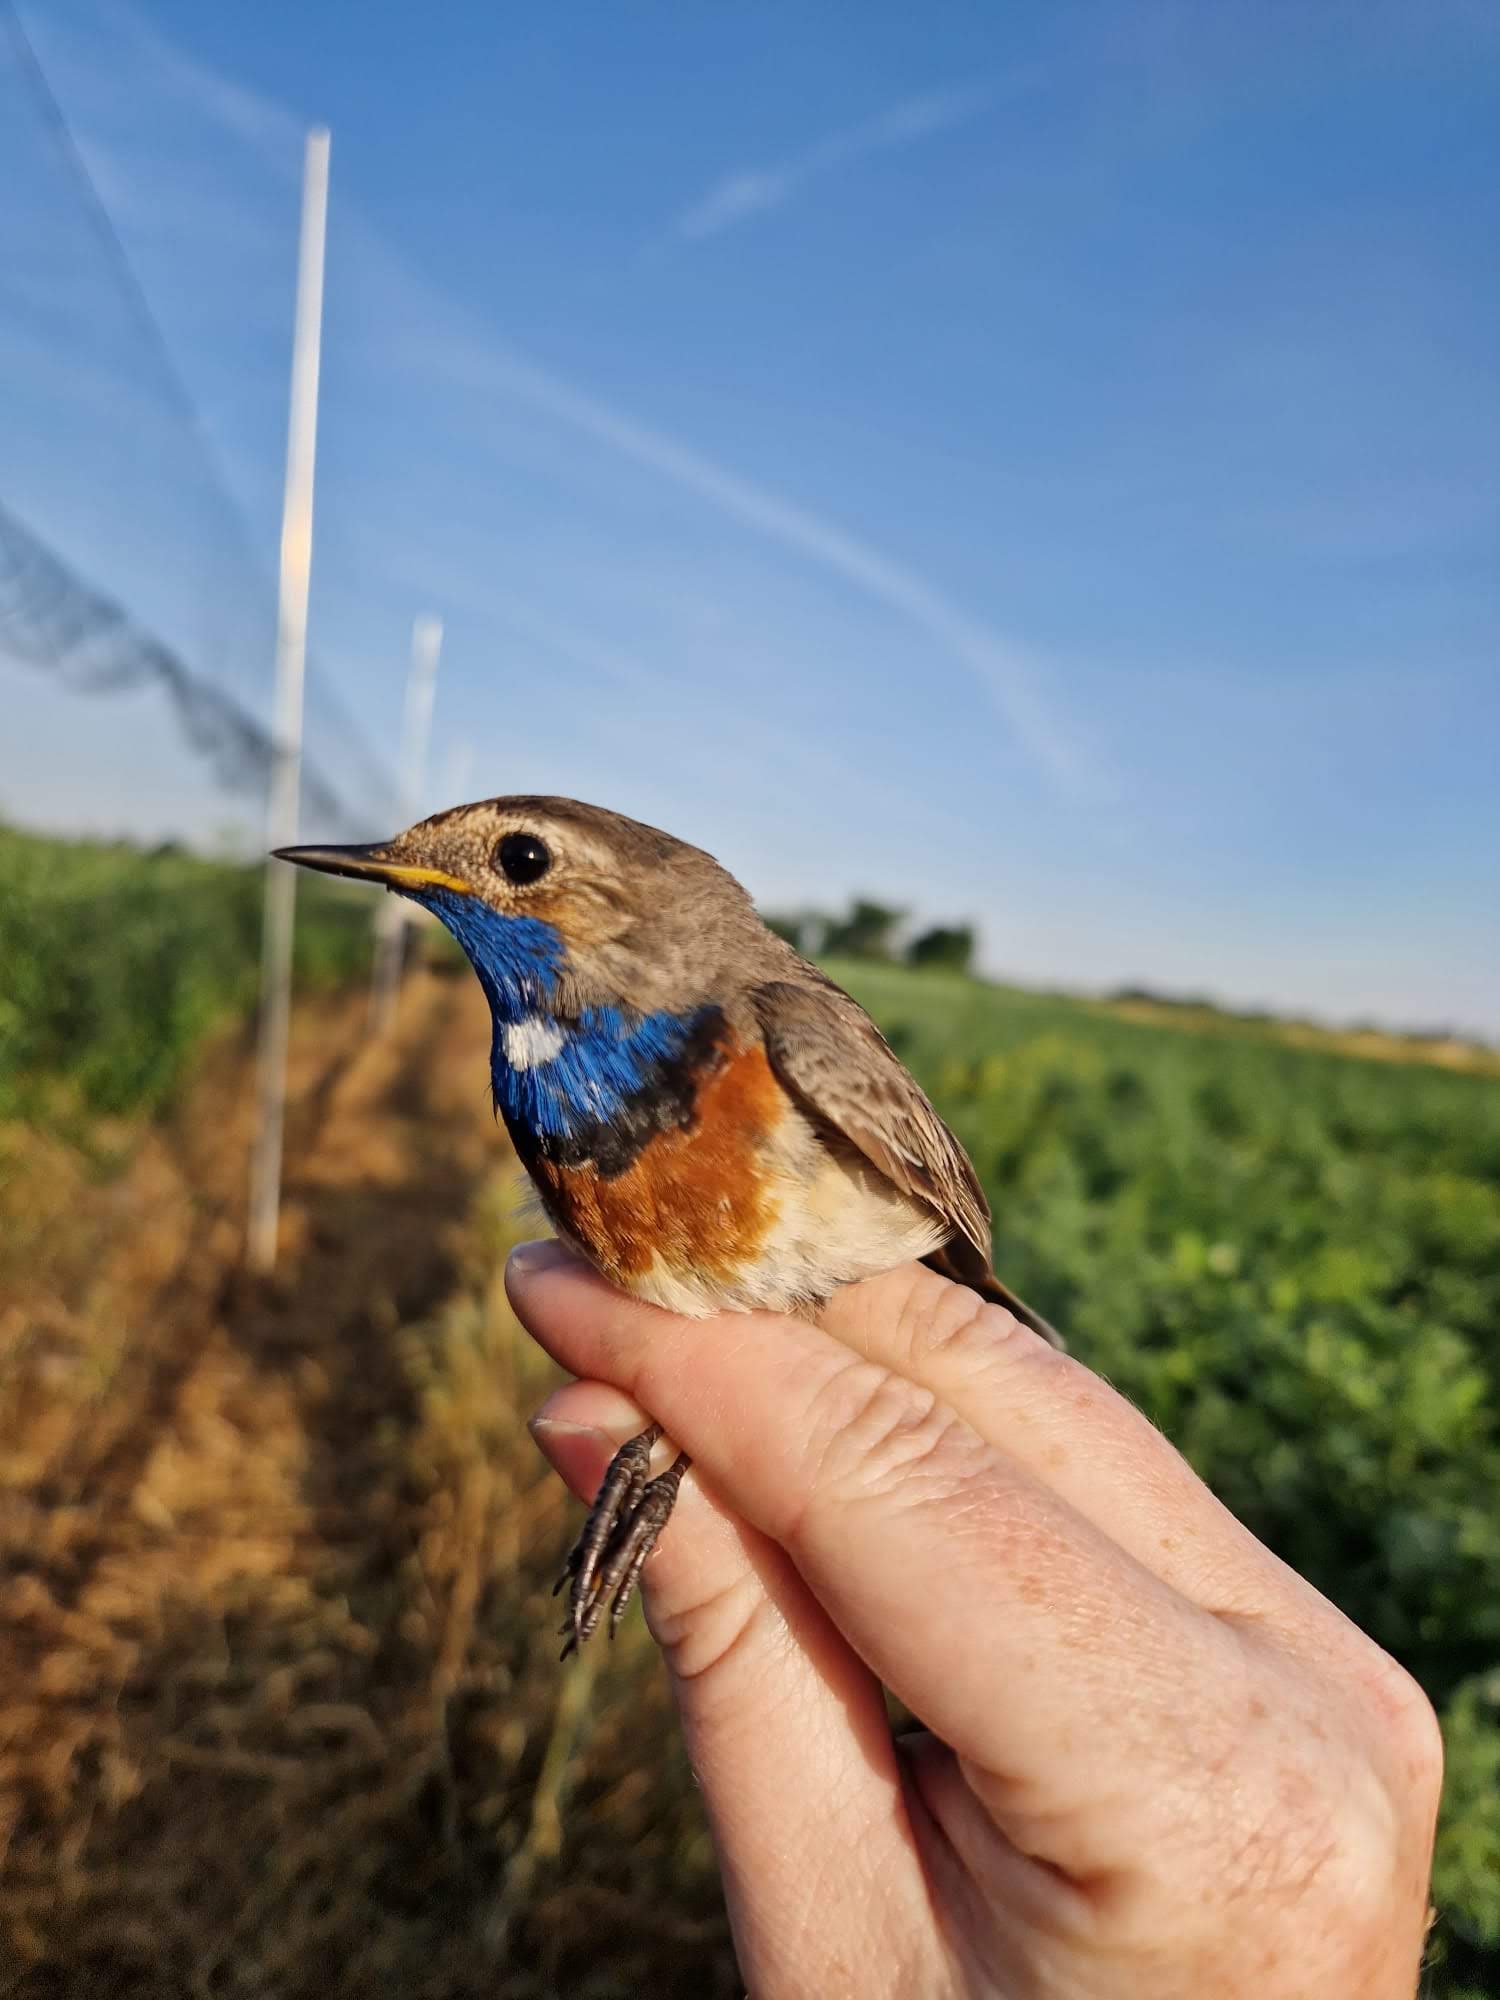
(697, 1197)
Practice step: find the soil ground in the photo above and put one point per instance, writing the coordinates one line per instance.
(280, 1711)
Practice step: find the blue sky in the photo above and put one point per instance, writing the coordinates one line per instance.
(1033, 463)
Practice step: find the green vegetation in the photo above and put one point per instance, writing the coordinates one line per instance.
(116, 962)
(873, 930)
(1290, 1259)
(1288, 1256)
(945, 948)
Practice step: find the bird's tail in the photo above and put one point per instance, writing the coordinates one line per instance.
(961, 1262)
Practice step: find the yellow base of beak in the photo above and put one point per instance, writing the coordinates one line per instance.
(372, 864)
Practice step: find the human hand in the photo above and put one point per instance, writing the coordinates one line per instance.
(1159, 1763)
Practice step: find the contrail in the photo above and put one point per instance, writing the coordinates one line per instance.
(1005, 674)
(754, 190)
(474, 358)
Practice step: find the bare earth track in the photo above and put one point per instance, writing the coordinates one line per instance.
(279, 1705)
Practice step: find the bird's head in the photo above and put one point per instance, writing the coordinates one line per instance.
(561, 906)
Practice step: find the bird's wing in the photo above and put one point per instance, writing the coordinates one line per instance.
(830, 1055)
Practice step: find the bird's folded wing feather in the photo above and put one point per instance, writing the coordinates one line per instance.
(830, 1055)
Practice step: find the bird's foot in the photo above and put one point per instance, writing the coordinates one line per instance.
(623, 1527)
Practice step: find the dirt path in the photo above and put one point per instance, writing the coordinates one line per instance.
(138, 1276)
(277, 1680)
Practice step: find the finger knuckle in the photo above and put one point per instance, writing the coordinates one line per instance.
(731, 1626)
(1408, 1727)
(1313, 1834)
(951, 1330)
(1284, 1805)
(877, 1431)
(954, 1327)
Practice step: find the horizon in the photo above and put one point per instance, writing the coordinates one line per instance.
(233, 852)
(1038, 472)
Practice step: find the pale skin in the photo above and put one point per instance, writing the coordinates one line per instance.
(1155, 1761)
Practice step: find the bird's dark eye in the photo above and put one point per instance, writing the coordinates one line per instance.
(522, 858)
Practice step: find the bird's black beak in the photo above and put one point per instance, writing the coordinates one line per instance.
(373, 864)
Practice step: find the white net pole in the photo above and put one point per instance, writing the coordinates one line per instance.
(291, 659)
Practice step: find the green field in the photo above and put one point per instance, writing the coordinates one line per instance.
(116, 963)
(1289, 1257)
(1291, 1260)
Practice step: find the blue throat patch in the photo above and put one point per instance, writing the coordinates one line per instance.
(606, 1056)
(610, 1058)
(517, 958)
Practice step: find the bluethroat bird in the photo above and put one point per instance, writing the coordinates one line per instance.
(709, 1119)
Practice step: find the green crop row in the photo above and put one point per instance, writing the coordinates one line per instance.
(1291, 1261)
(114, 963)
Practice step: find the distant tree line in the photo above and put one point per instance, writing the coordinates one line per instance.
(875, 930)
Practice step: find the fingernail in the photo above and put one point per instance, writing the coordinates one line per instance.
(529, 1260)
(576, 1452)
(543, 1428)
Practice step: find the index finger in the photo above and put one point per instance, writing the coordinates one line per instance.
(1014, 1627)
(1065, 1424)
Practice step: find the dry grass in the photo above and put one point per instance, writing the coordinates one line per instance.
(280, 1711)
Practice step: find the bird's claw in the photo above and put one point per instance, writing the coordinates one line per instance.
(623, 1527)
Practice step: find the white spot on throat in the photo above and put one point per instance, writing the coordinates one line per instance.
(532, 1042)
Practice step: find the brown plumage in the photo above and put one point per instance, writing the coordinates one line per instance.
(831, 1055)
(712, 1121)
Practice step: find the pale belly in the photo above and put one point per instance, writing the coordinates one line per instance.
(843, 1224)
